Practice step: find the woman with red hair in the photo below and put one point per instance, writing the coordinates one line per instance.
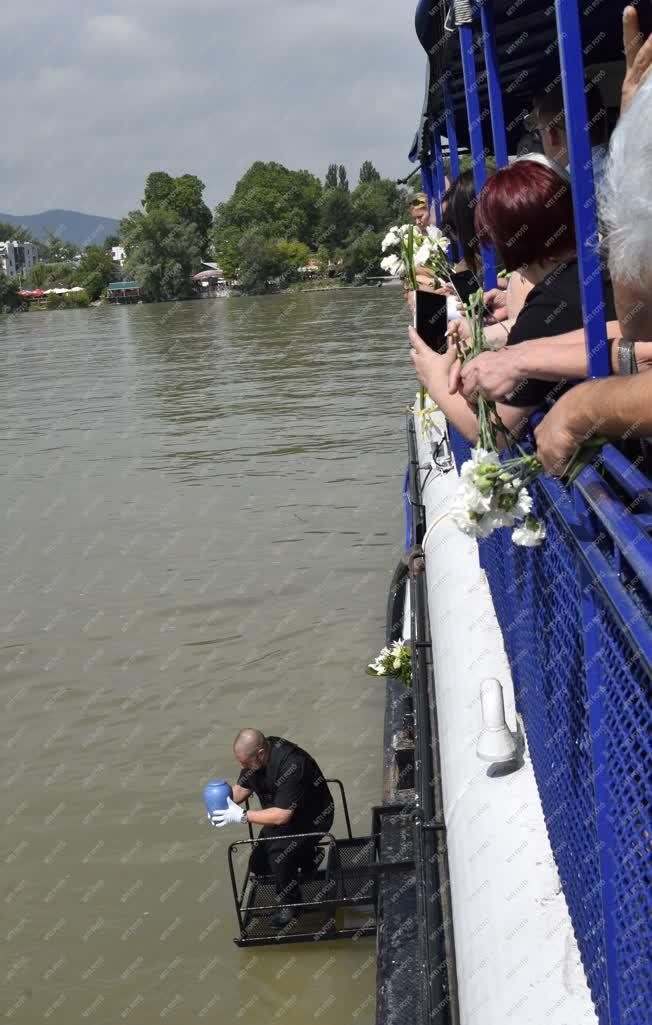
(526, 211)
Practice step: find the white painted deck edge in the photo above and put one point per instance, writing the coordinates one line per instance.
(517, 958)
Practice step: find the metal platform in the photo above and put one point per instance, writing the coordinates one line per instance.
(339, 898)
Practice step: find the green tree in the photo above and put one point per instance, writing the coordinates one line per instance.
(377, 204)
(158, 189)
(110, 241)
(368, 173)
(330, 181)
(53, 249)
(186, 200)
(260, 261)
(342, 180)
(336, 218)
(8, 291)
(277, 202)
(323, 260)
(14, 233)
(96, 270)
(182, 195)
(163, 252)
(362, 257)
(49, 275)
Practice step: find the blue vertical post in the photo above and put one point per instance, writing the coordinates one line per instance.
(451, 130)
(579, 148)
(475, 135)
(493, 83)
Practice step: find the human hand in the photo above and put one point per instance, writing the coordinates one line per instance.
(558, 438)
(491, 374)
(496, 301)
(232, 815)
(638, 57)
(425, 360)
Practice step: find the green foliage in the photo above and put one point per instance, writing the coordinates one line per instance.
(53, 249)
(96, 270)
(112, 240)
(323, 260)
(335, 218)
(272, 205)
(278, 202)
(466, 164)
(8, 291)
(362, 257)
(76, 300)
(368, 173)
(330, 181)
(163, 252)
(52, 275)
(54, 302)
(183, 196)
(377, 204)
(14, 233)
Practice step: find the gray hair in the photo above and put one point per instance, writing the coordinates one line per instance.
(626, 194)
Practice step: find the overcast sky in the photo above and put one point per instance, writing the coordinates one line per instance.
(99, 93)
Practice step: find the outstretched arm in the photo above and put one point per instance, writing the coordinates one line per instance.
(618, 407)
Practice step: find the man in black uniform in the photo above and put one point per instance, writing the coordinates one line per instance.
(294, 798)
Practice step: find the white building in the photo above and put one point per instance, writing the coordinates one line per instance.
(118, 255)
(18, 258)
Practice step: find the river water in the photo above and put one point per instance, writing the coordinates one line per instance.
(202, 511)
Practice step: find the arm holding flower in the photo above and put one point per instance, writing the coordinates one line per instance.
(432, 370)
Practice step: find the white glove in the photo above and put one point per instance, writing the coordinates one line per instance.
(232, 815)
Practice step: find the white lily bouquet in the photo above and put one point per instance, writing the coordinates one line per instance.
(407, 247)
(396, 660)
(492, 493)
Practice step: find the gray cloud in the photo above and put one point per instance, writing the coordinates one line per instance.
(103, 93)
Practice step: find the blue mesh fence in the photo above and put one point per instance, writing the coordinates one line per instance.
(582, 683)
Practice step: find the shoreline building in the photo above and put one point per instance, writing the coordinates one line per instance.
(18, 258)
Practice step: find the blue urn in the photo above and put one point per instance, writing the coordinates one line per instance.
(216, 794)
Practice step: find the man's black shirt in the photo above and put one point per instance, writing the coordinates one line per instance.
(291, 779)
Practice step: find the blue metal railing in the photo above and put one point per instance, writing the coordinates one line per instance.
(576, 619)
(576, 613)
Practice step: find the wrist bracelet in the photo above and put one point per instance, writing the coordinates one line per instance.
(626, 355)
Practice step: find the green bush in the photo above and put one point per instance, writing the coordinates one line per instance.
(54, 302)
(76, 300)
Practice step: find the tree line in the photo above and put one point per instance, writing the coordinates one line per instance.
(276, 221)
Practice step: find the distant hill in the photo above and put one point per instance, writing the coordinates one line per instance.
(71, 226)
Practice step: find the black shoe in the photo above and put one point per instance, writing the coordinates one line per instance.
(284, 916)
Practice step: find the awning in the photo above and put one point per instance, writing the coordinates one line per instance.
(526, 41)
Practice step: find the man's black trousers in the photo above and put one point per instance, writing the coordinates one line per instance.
(282, 855)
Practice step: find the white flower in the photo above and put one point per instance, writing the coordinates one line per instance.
(530, 534)
(381, 671)
(523, 505)
(392, 238)
(474, 500)
(422, 255)
(397, 663)
(392, 264)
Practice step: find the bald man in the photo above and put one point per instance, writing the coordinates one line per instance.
(294, 798)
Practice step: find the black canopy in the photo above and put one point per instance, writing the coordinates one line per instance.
(528, 58)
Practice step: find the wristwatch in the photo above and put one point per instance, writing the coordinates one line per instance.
(626, 357)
